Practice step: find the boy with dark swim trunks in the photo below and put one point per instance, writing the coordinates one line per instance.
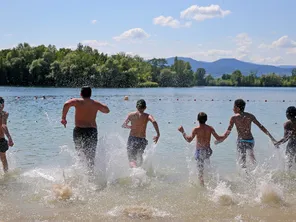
(245, 141)
(290, 136)
(203, 134)
(4, 144)
(137, 142)
(85, 133)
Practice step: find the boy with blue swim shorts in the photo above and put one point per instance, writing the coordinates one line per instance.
(203, 134)
(245, 141)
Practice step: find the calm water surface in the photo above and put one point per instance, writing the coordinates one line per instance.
(166, 189)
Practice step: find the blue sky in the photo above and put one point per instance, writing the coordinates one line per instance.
(257, 31)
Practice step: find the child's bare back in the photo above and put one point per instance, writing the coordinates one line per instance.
(138, 124)
(203, 136)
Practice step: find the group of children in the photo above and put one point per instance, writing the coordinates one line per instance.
(202, 133)
(85, 115)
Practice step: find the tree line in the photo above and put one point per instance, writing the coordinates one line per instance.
(26, 65)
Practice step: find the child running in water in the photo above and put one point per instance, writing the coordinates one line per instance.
(290, 135)
(137, 142)
(202, 133)
(4, 144)
(245, 141)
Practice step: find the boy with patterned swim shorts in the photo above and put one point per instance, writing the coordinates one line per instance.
(203, 134)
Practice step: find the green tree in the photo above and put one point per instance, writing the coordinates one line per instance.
(236, 77)
(294, 72)
(199, 77)
(166, 78)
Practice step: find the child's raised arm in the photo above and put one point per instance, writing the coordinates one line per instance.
(263, 129)
(187, 138)
(217, 137)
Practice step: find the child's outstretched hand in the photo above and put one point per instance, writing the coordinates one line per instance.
(217, 142)
(276, 144)
(10, 142)
(181, 129)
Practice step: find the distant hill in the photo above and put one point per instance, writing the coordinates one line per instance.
(287, 67)
(223, 66)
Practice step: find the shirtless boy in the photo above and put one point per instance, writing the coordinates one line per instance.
(4, 144)
(202, 133)
(245, 141)
(85, 133)
(290, 135)
(137, 142)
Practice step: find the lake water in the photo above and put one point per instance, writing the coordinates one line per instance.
(166, 189)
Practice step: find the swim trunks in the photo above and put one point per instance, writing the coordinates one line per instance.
(200, 156)
(86, 140)
(135, 148)
(3, 145)
(242, 146)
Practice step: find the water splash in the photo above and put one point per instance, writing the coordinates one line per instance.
(223, 195)
(270, 194)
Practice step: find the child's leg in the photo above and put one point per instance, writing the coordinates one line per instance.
(200, 166)
(4, 161)
(252, 156)
(242, 157)
(290, 156)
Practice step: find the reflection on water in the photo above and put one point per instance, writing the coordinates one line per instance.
(47, 182)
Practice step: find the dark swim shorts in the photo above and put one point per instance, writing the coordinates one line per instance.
(3, 145)
(242, 147)
(200, 156)
(136, 147)
(86, 140)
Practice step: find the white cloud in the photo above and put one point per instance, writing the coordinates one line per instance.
(267, 60)
(243, 39)
(243, 43)
(132, 34)
(264, 46)
(291, 51)
(201, 13)
(211, 54)
(95, 43)
(94, 21)
(8, 35)
(187, 24)
(283, 42)
(170, 22)
(166, 21)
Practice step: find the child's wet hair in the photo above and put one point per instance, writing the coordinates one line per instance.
(141, 104)
(86, 92)
(241, 104)
(202, 118)
(1, 100)
(291, 112)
